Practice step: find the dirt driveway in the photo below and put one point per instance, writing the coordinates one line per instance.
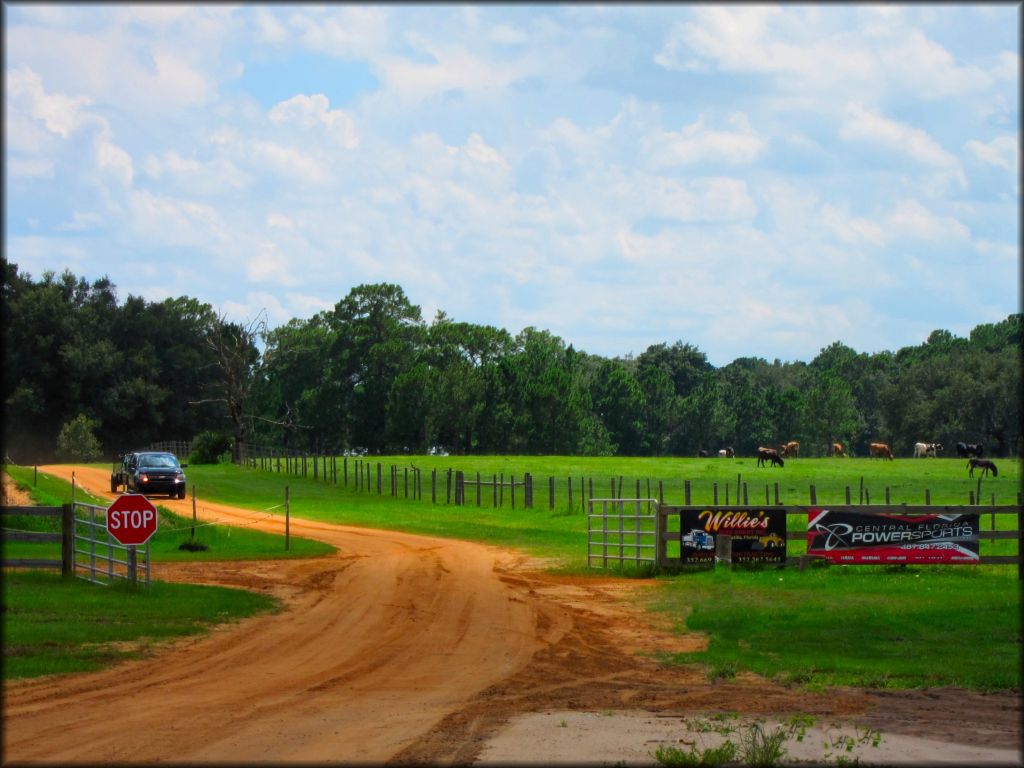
(403, 648)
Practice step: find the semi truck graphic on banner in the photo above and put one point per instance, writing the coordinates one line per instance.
(860, 538)
(758, 535)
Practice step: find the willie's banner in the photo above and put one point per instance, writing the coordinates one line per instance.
(860, 538)
(757, 535)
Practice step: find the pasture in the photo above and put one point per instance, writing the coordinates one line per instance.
(917, 626)
(558, 533)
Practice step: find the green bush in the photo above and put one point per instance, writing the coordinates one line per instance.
(77, 441)
(209, 447)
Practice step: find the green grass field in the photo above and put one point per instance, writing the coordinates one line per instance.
(852, 625)
(559, 532)
(52, 626)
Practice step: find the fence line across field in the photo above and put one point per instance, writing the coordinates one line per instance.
(613, 536)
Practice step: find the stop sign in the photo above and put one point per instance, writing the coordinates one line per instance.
(131, 519)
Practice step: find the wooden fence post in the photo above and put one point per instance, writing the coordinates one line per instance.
(714, 491)
(570, 492)
(847, 495)
(433, 486)
(551, 492)
(133, 565)
(686, 492)
(746, 503)
(776, 494)
(814, 495)
(287, 520)
(67, 541)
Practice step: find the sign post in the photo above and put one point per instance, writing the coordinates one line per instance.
(131, 521)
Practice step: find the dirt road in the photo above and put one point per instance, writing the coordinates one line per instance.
(406, 648)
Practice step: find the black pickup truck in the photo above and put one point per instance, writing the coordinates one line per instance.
(149, 472)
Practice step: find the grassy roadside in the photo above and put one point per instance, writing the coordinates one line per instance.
(56, 627)
(53, 626)
(914, 627)
(222, 542)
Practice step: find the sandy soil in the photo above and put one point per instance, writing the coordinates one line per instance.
(410, 649)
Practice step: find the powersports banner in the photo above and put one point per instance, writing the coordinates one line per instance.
(757, 535)
(856, 537)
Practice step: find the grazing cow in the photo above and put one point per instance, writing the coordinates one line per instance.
(790, 450)
(966, 450)
(934, 449)
(880, 450)
(727, 453)
(703, 454)
(920, 450)
(769, 454)
(837, 450)
(984, 465)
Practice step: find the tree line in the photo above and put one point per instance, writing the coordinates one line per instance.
(372, 373)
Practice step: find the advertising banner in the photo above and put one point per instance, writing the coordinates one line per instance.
(757, 535)
(861, 538)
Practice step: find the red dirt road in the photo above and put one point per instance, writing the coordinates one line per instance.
(409, 649)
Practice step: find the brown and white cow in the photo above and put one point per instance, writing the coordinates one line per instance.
(837, 450)
(769, 455)
(790, 450)
(880, 450)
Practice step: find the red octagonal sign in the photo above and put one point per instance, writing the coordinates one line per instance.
(131, 519)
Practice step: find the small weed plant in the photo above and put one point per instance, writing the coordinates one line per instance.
(753, 744)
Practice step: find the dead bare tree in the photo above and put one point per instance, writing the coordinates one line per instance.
(236, 358)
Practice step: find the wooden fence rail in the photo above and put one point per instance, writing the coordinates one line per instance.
(65, 536)
(99, 559)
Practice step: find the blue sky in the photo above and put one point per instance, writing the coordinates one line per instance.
(755, 180)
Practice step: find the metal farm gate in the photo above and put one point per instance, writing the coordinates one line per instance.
(98, 557)
(621, 531)
(643, 531)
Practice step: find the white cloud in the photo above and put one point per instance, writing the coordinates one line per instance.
(928, 69)
(347, 31)
(266, 264)
(697, 143)
(288, 162)
(314, 111)
(280, 221)
(862, 124)
(115, 160)
(175, 221)
(60, 113)
(451, 68)
(1003, 151)
(911, 219)
(81, 222)
(29, 168)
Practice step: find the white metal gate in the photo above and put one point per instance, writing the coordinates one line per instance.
(98, 557)
(621, 531)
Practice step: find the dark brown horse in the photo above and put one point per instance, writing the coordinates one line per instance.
(769, 454)
(984, 465)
